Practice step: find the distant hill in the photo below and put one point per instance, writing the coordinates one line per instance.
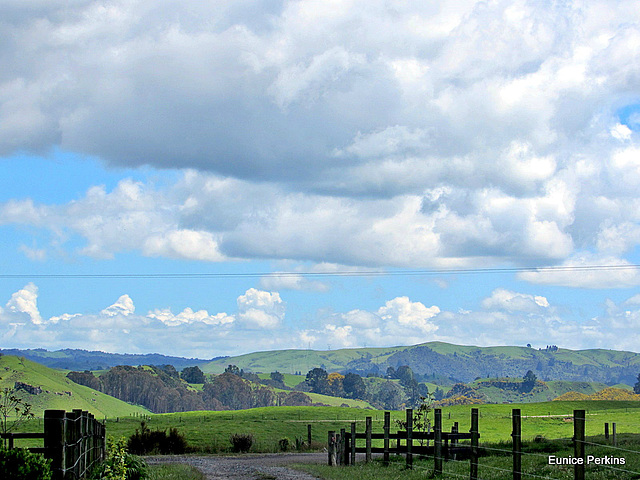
(434, 361)
(45, 388)
(74, 359)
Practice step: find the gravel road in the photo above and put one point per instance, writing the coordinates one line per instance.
(246, 467)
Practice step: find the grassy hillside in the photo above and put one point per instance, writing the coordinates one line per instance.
(58, 392)
(444, 360)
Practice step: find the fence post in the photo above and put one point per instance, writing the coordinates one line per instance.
(368, 429)
(409, 458)
(387, 426)
(516, 435)
(454, 441)
(578, 443)
(343, 445)
(353, 443)
(615, 441)
(437, 441)
(54, 438)
(331, 441)
(606, 431)
(309, 435)
(473, 468)
(347, 447)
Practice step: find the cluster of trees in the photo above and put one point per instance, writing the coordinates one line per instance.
(335, 384)
(162, 389)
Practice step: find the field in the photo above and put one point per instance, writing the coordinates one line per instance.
(210, 431)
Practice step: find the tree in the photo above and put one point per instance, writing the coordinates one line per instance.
(335, 384)
(233, 369)
(354, 386)
(389, 396)
(192, 375)
(277, 377)
(231, 390)
(529, 381)
(421, 420)
(636, 387)
(317, 379)
(12, 406)
(405, 375)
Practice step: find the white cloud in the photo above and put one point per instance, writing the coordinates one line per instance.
(124, 306)
(188, 316)
(502, 299)
(282, 281)
(608, 272)
(402, 311)
(23, 305)
(260, 309)
(431, 134)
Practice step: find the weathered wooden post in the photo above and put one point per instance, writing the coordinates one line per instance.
(516, 436)
(347, 447)
(454, 441)
(309, 436)
(437, 433)
(409, 458)
(343, 444)
(353, 443)
(606, 430)
(54, 440)
(578, 443)
(473, 469)
(331, 441)
(387, 426)
(615, 440)
(368, 428)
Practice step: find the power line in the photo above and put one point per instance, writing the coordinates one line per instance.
(345, 273)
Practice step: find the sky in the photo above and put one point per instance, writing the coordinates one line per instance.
(215, 178)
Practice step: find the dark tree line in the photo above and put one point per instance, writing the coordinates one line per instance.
(162, 389)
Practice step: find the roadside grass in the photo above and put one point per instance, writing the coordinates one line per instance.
(174, 471)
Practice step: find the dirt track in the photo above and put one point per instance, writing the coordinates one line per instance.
(246, 467)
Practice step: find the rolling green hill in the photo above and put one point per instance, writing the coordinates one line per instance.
(50, 389)
(458, 363)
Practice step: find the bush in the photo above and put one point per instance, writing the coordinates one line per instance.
(21, 464)
(146, 441)
(283, 443)
(120, 465)
(241, 442)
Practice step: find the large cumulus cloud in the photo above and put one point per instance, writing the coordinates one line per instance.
(358, 133)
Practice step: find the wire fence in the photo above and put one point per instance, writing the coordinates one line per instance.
(589, 458)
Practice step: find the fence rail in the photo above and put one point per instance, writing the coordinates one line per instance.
(74, 441)
(445, 448)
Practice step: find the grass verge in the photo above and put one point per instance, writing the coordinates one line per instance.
(174, 471)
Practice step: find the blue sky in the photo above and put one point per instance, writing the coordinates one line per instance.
(239, 140)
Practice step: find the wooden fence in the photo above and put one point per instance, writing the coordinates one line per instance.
(343, 446)
(74, 441)
(343, 449)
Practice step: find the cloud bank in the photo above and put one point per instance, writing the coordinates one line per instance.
(369, 134)
(504, 318)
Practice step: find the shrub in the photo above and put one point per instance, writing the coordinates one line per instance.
(120, 465)
(241, 442)
(283, 443)
(156, 441)
(21, 464)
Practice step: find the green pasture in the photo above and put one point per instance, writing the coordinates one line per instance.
(210, 431)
